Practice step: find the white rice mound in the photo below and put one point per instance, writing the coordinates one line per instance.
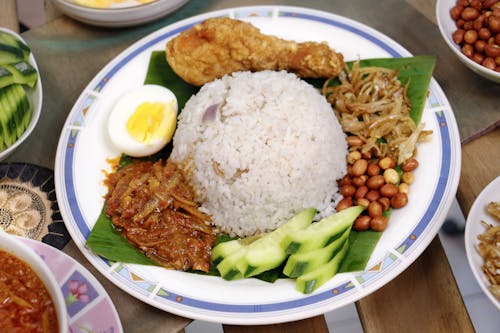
(259, 147)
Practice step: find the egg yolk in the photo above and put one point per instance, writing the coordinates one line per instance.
(147, 123)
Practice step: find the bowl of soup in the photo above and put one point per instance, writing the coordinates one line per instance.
(31, 300)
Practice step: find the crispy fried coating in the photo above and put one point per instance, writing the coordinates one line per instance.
(220, 46)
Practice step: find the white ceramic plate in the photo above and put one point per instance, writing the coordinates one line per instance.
(474, 227)
(35, 96)
(126, 14)
(447, 27)
(84, 147)
(88, 305)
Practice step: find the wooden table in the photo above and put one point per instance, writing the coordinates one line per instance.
(425, 297)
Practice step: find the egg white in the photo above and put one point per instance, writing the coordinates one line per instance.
(125, 108)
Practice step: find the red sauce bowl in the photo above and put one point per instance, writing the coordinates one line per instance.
(12, 245)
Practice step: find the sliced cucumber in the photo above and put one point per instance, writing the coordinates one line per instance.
(302, 263)
(309, 282)
(6, 77)
(225, 249)
(321, 233)
(265, 253)
(7, 118)
(10, 54)
(15, 96)
(11, 40)
(14, 106)
(20, 72)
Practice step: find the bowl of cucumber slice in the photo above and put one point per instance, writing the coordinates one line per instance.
(20, 92)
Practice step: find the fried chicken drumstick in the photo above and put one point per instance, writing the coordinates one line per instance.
(220, 46)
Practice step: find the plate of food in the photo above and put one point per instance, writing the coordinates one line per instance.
(482, 232)
(117, 13)
(221, 197)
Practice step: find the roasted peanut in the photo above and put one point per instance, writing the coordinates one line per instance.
(483, 34)
(359, 181)
(372, 195)
(458, 36)
(359, 167)
(469, 14)
(470, 36)
(373, 169)
(389, 190)
(375, 182)
(391, 176)
(492, 50)
(456, 12)
(354, 141)
(385, 202)
(362, 223)
(408, 177)
(386, 163)
(410, 165)
(346, 180)
(404, 188)
(478, 57)
(343, 204)
(494, 23)
(363, 202)
(378, 223)
(479, 46)
(347, 190)
(374, 209)
(489, 63)
(361, 192)
(353, 156)
(399, 200)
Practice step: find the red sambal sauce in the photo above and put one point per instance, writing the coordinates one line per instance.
(153, 206)
(25, 302)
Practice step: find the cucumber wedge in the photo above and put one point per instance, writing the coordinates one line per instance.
(14, 107)
(302, 263)
(10, 54)
(20, 72)
(309, 282)
(225, 249)
(11, 40)
(264, 253)
(321, 233)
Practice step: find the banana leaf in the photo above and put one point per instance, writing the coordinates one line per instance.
(106, 241)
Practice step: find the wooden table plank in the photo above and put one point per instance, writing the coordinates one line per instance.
(8, 15)
(315, 324)
(480, 165)
(436, 307)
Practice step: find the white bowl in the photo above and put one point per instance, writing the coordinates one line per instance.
(474, 227)
(35, 96)
(130, 13)
(447, 27)
(16, 247)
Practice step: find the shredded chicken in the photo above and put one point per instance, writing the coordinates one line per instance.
(371, 102)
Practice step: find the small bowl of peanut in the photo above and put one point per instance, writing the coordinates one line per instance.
(471, 28)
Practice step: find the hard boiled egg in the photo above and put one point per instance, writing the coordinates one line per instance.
(143, 120)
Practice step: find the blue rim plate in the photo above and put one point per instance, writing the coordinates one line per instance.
(84, 147)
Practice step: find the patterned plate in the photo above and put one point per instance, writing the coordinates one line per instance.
(90, 310)
(84, 149)
(28, 204)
